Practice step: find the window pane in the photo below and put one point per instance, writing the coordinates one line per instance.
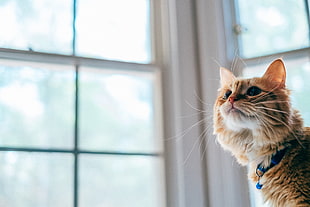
(120, 181)
(272, 26)
(39, 25)
(117, 29)
(117, 111)
(36, 179)
(36, 106)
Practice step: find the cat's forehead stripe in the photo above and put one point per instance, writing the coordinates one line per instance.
(240, 84)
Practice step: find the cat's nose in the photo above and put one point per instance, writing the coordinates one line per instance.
(232, 99)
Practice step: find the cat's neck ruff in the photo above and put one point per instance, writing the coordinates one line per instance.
(257, 146)
(259, 151)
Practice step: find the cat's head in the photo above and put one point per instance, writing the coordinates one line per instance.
(253, 112)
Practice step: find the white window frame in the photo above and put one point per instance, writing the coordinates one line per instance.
(197, 42)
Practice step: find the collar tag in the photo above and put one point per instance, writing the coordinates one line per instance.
(259, 186)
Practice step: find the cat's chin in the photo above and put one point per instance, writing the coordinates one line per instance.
(237, 121)
(240, 124)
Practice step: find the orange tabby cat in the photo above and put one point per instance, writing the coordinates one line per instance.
(254, 119)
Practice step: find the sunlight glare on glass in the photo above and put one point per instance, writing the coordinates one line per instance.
(124, 90)
(272, 26)
(120, 180)
(23, 98)
(36, 105)
(116, 30)
(37, 25)
(117, 111)
(265, 15)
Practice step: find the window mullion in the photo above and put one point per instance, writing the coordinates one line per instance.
(308, 16)
(76, 138)
(74, 29)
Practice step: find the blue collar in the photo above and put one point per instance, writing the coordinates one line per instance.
(275, 159)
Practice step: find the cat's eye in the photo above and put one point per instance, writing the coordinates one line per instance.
(227, 94)
(253, 91)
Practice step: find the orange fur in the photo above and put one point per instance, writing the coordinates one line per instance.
(253, 119)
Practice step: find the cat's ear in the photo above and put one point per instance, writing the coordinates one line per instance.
(227, 77)
(276, 73)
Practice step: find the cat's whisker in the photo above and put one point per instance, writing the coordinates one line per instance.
(199, 141)
(278, 121)
(270, 102)
(217, 62)
(191, 151)
(270, 130)
(285, 124)
(234, 62)
(271, 109)
(202, 101)
(202, 135)
(248, 109)
(192, 115)
(184, 132)
(196, 109)
(206, 144)
(243, 62)
(236, 59)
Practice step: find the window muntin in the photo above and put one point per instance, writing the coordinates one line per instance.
(269, 27)
(37, 25)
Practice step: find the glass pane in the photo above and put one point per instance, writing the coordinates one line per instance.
(116, 30)
(272, 26)
(298, 73)
(39, 25)
(36, 105)
(36, 179)
(117, 111)
(116, 181)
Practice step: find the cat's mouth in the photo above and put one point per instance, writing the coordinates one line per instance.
(240, 111)
(236, 113)
(234, 110)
